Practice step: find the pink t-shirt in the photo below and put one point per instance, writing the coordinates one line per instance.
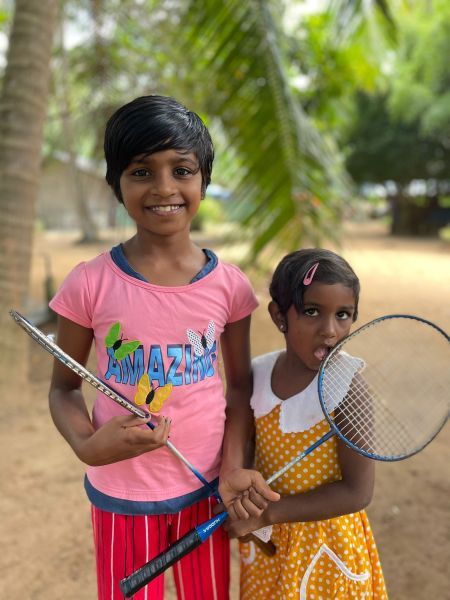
(178, 330)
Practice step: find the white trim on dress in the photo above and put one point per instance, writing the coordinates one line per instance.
(303, 410)
(324, 549)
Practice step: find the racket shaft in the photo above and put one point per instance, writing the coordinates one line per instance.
(300, 457)
(137, 580)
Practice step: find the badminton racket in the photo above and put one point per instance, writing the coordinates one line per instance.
(48, 344)
(384, 391)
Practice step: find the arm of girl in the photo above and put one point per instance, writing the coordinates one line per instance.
(120, 438)
(350, 494)
(243, 491)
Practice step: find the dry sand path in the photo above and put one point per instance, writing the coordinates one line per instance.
(47, 549)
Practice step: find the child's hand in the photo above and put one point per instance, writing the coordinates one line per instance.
(243, 527)
(245, 493)
(122, 438)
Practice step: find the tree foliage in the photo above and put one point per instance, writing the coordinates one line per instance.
(235, 63)
(230, 62)
(400, 131)
(420, 90)
(384, 147)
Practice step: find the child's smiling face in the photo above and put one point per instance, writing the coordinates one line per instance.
(162, 191)
(325, 319)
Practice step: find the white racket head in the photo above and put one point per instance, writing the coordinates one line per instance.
(385, 388)
(48, 343)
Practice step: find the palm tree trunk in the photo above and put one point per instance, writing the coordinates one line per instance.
(87, 225)
(23, 106)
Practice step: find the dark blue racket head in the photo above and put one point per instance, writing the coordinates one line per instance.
(385, 388)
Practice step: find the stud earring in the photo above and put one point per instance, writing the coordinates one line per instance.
(282, 327)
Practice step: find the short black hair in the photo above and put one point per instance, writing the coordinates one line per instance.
(287, 287)
(151, 124)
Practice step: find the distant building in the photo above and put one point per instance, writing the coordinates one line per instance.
(57, 204)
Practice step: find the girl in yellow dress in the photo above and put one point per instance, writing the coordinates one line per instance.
(324, 545)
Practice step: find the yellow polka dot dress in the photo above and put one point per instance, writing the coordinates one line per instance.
(319, 560)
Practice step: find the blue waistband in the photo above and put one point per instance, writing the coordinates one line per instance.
(133, 507)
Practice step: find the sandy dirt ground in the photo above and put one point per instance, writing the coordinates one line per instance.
(45, 531)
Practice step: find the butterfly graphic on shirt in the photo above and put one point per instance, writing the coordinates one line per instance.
(154, 397)
(202, 341)
(115, 340)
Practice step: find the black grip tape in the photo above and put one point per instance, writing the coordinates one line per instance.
(145, 574)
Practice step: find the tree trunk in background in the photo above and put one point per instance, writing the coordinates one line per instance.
(86, 222)
(23, 107)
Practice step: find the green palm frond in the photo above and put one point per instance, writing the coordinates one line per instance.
(229, 61)
(289, 181)
(349, 16)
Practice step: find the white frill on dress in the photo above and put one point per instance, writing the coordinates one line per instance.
(303, 410)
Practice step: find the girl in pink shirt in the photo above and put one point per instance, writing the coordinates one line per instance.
(157, 307)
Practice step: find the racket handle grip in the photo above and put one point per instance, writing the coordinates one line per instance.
(145, 574)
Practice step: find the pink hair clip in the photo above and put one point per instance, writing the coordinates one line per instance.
(310, 274)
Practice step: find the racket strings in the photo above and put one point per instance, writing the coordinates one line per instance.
(392, 402)
(370, 424)
(359, 420)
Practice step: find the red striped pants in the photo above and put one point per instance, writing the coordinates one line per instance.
(124, 543)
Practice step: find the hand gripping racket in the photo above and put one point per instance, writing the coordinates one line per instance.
(48, 344)
(385, 392)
